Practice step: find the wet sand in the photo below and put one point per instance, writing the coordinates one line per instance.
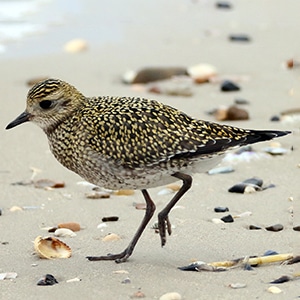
(188, 34)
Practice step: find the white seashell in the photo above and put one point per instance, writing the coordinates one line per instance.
(129, 76)
(237, 285)
(202, 72)
(249, 189)
(64, 232)
(170, 296)
(8, 275)
(111, 237)
(75, 46)
(165, 191)
(217, 221)
(274, 290)
(244, 214)
(102, 225)
(76, 279)
(50, 247)
(121, 272)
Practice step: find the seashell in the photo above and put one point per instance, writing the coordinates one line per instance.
(121, 272)
(124, 192)
(48, 183)
(249, 189)
(48, 279)
(76, 279)
(275, 228)
(275, 150)
(202, 72)
(50, 247)
(227, 219)
(102, 225)
(64, 232)
(111, 237)
(172, 87)
(174, 187)
(244, 214)
(70, 225)
(274, 290)
(15, 208)
(170, 296)
(221, 170)
(140, 206)
(8, 275)
(217, 221)
(229, 86)
(75, 46)
(110, 219)
(165, 191)
(97, 195)
(237, 285)
(281, 279)
(220, 209)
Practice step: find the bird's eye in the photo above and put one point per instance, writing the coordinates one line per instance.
(45, 104)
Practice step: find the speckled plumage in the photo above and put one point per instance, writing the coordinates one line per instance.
(128, 142)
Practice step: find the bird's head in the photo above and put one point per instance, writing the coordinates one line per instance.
(49, 102)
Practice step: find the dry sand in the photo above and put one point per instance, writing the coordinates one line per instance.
(168, 33)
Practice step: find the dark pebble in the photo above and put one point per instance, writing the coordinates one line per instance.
(294, 260)
(239, 38)
(296, 228)
(53, 229)
(281, 279)
(227, 219)
(254, 227)
(222, 4)
(241, 101)
(275, 119)
(248, 267)
(238, 188)
(254, 180)
(110, 219)
(275, 228)
(270, 252)
(235, 113)
(47, 280)
(220, 209)
(0, 212)
(228, 86)
(191, 267)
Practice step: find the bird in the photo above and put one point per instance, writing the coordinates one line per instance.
(130, 142)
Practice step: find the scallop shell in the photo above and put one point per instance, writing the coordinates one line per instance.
(50, 247)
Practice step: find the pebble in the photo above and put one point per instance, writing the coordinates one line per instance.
(250, 185)
(281, 279)
(274, 290)
(275, 119)
(239, 38)
(235, 113)
(270, 252)
(102, 225)
(202, 73)
(296, 228)
(172, 88)
(76, 46)
(227, 219)
(70, 225)
(48, 279)
(224, 5)
(126, 280)
(229, 86)
(0, 212)
(237, 285)
(221, 209)
(97, 195)
(170, 296)
(110, 219)
(221, 170)
(254, 227)
(138, 294)
(140, 206)
(275, 228)
(241, 101)
(111, 237)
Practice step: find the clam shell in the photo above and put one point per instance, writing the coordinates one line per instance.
(64, 232)
(50, 247)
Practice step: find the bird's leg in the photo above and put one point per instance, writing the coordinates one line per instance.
(123, 256)
(163, 217)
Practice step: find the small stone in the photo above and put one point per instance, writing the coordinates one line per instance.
(173, 187)
(220, 170)
(241, 101)
(75, 46)
(111, 237)
(239, 38)
(0, 212)
(254, 227)
(126, 280)
(229, 86)
(235, 113)
(221, 209)
(281, 279)
(140, 206)
(110, 219)
(274, 290)
(48, 183)
(138, 294)
(227, 219)
(224, 5)
(170, 296)
(296, 228)
(202, 73)
(97, 195)
(275, 119)
(275, 228)
(48, 279)
(237, 285)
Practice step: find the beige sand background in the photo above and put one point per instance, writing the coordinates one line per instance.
(161, 34)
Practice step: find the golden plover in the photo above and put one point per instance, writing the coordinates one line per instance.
(130, 142)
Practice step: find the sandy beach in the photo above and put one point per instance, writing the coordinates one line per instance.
(169, 33)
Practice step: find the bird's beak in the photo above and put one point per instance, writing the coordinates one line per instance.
(22, 118)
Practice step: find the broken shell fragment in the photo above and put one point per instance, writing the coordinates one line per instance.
(64, 232)
(48, 279)
(50, 247)
(274, 290)
(202, 73)
(70, 225)
(75, 46)
(124, 192)
(111, 237)
(48, 183)
(171, 296)
(97, 195)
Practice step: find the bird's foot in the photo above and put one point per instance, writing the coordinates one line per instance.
(163, 226)
(118, 258)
